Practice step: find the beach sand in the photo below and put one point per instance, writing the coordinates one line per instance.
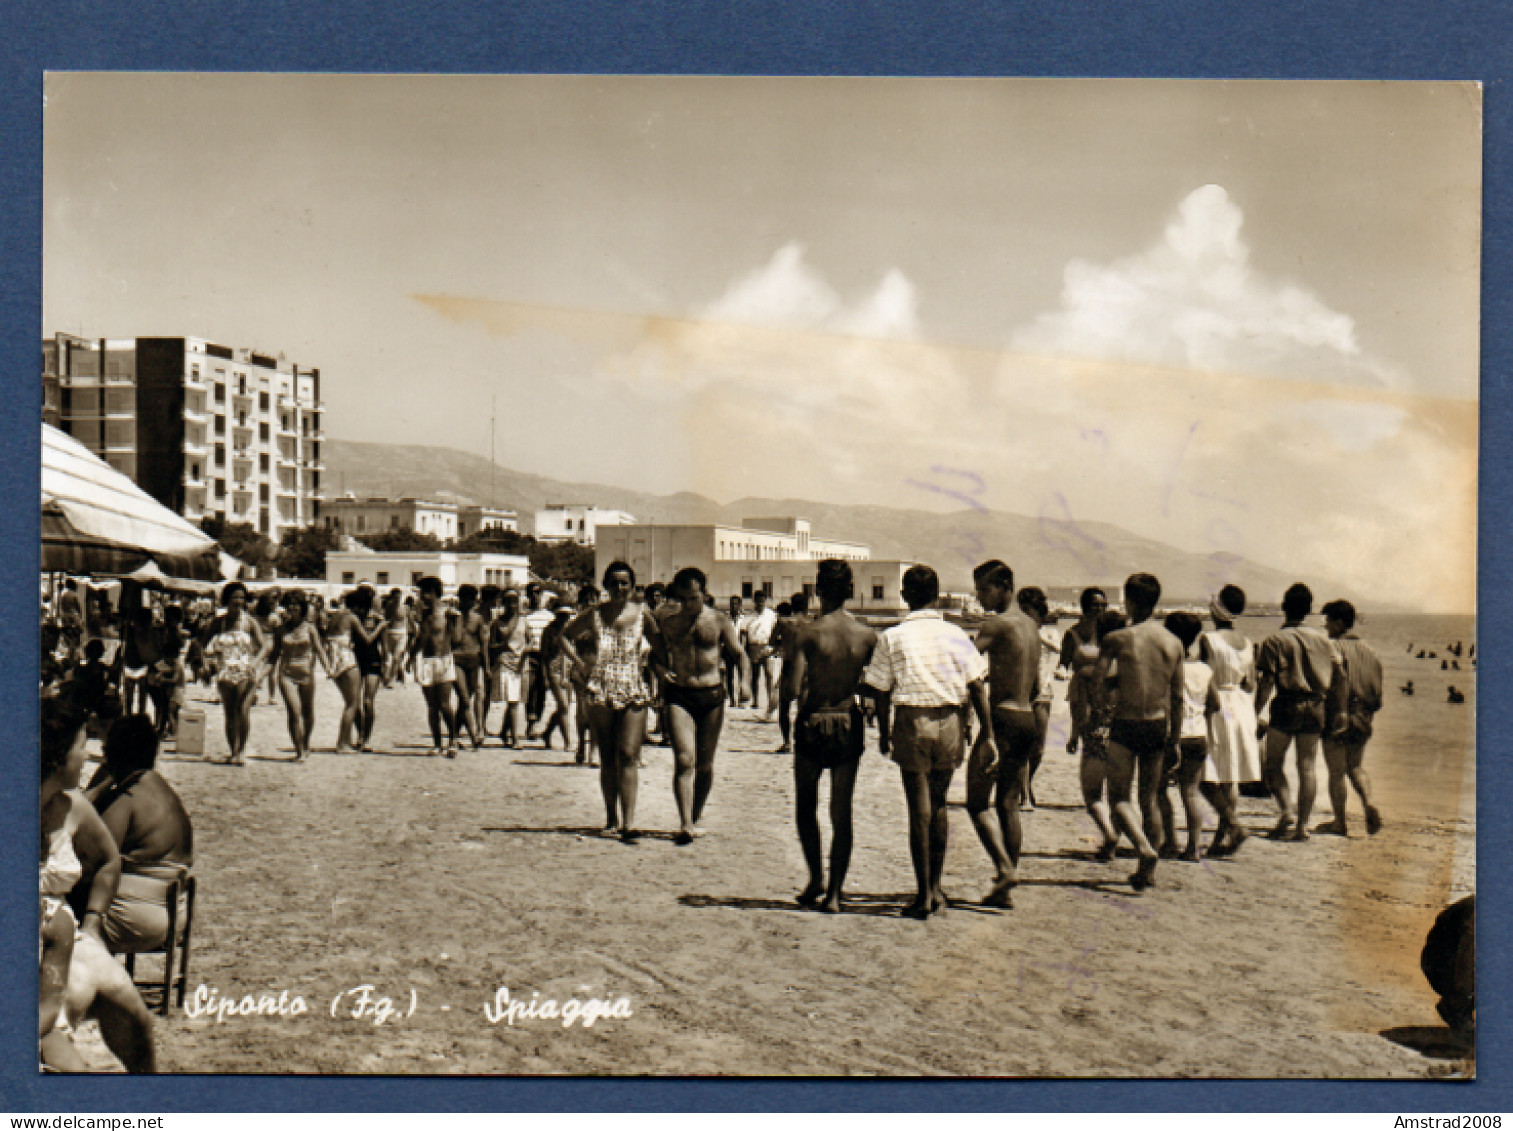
(453, 878)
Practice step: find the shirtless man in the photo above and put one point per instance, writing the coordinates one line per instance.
(470, 657)
(692, 640)
(784, 633)
(431, 658)
(1011, 642)
(1147, 716)
(823, 665)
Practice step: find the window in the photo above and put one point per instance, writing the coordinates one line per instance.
(383, 577)
(120, 433)
(262, 494)
(262, 403)
(262, 431)
(393, 522)
(767, 587)
(360, 521)
(220, 488)
(415, 576)
(262, 461)
(877, 589)
(194, 471)
(220, 392)
(347, 578)
(220, 425)
(746, 589)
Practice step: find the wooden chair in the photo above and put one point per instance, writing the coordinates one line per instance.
(179, 900)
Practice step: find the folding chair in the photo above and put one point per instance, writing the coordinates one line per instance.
(179, 900)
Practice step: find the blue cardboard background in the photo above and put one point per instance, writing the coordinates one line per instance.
(1346, 39)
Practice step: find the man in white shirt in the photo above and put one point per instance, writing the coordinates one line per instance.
(533, 684)
(756, 634)
(927, 669)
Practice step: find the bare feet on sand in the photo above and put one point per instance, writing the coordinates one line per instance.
(1000, 894)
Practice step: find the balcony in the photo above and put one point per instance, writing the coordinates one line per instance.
(193, 411)
(193, 381)
(193, 483)
(193, 447)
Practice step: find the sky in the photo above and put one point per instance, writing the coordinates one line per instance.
(1234, 317)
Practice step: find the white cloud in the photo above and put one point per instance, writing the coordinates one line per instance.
(1192, 300)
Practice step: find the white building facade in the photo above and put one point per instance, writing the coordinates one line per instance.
(576, 522)
(405, 569)
(777, 556)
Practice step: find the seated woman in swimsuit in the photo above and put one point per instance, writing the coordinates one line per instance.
(150, 828)
(237, 648)
(79, 978)
(296, 647)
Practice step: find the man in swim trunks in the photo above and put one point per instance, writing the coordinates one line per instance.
(533, 685)
(791, 614)
(823, 671)
(431, 657)
(927, 669)
(1010, 640)
(1147, 717)
(1297, 663)
(691, 643)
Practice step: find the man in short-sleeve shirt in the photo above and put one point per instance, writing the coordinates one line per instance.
(1297, 664)
(1355, 696)
(926, 669)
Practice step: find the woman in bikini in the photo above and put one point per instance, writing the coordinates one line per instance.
(1080, 659)
(237, 648)
(343, 627)
(618, 690)
(296, 647)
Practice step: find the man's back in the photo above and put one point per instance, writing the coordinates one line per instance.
(1149, 659)
(835, 650)
(1011, 642)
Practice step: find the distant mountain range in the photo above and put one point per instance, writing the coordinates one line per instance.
(1048, 553)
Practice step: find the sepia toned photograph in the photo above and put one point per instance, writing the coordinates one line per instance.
(553, 575)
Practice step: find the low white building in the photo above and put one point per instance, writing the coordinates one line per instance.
(404, 568)
(778, 556)
(475, 518)
(576, 522)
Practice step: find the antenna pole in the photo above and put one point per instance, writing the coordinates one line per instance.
(493, 405)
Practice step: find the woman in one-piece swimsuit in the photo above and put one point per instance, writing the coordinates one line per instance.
(237, 647)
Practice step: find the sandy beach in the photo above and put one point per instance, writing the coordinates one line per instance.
(437, 882)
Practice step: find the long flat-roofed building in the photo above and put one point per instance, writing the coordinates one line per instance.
(779, 556)
(206, 429)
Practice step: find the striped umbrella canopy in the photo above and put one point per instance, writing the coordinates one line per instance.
(97, 521)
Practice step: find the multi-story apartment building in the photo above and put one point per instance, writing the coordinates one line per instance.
(206, 429)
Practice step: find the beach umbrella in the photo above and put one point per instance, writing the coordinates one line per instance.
(97, 521)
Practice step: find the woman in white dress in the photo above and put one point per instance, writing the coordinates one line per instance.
(1234, 754)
